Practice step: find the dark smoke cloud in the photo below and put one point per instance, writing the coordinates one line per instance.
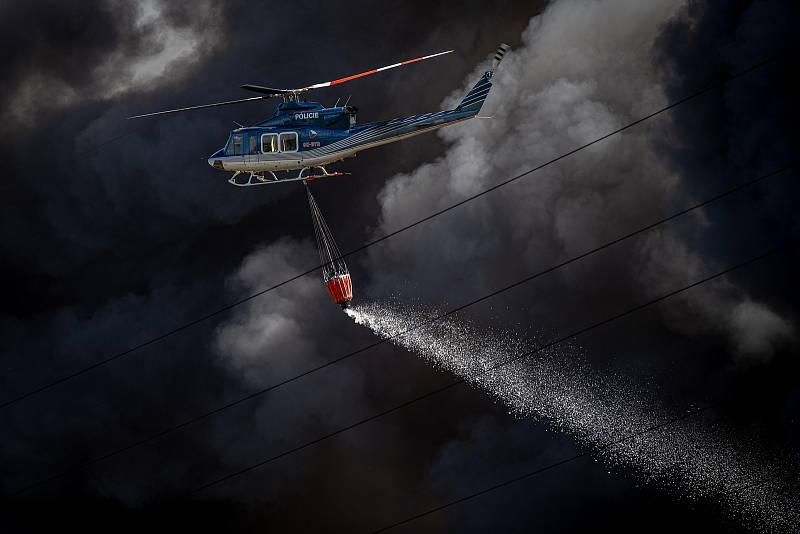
(745, 129)
(113, 231)
(106, 246)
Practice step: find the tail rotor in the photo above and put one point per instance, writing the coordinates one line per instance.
(498, 56)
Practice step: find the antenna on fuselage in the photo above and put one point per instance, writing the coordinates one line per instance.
(337, 102)
(237, 124)
(347, 101)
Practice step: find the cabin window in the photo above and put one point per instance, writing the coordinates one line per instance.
(289, 142)
(269, 143)
(234, 147)
(253, 145)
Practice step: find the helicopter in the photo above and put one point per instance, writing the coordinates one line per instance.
(306, 136)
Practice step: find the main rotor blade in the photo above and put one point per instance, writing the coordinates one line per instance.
(271, 91)
(265, 90)
(268, 90)
(373, 71)
(200, 107)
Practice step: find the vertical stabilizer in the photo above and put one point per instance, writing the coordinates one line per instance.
(473, 101)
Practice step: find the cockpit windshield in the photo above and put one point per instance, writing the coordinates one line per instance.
(235, 145)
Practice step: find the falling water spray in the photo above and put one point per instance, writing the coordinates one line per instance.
(694, 457)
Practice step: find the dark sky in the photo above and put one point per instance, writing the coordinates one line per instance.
(113, 231)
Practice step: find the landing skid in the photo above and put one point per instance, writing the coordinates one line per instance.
(269, 177)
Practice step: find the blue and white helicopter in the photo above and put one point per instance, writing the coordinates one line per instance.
(306, 136)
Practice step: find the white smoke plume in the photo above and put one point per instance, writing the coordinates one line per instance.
(573, 79)
(753, 330)
(274, 338)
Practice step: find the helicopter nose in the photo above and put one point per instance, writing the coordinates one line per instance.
(215, 159)
(214, 162)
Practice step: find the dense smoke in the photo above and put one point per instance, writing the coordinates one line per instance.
(570, 82)
(112, 232)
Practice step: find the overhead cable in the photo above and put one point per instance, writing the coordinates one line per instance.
(473, 376)
(255, 394)
(239, 302)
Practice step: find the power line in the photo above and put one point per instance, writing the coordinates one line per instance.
(421, 324)
(431, 320)
(567, 460)
(460, 381)
(540, 470)
(244, 300)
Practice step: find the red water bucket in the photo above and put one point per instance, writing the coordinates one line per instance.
(340, 289)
